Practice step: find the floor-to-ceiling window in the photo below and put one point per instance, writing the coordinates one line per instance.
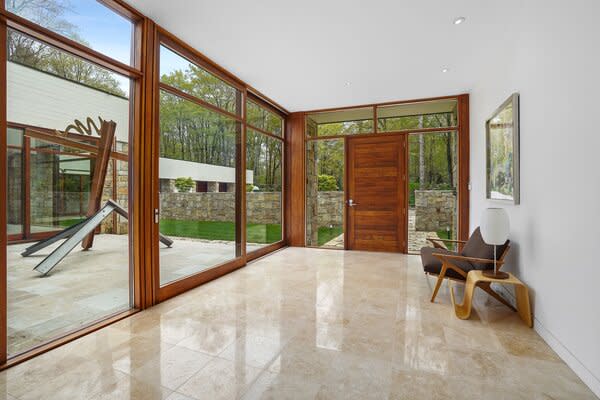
(433, 180)
(325, 172)
(432, 167)
(69, 99)
(200, 131)
(264, 176)
(325, 193)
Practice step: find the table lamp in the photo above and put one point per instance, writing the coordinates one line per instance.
(495, 228)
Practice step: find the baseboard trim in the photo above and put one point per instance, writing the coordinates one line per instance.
(563, 352)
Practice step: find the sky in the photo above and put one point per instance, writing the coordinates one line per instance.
(109, 33)
(105, 30)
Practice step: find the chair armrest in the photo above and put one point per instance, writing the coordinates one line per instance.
(446, 240)
(463, 258)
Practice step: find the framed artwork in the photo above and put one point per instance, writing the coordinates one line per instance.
(502, 152)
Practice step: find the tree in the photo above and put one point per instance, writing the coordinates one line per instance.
(327, 183)
(25, 50)
(184, 184)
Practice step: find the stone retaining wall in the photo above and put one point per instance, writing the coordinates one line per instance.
(330, 208)
(263, 207)
(435, 210)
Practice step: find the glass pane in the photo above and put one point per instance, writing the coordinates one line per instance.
(197, 170)
(263, 197)
(325, 193)
(430, 114)
(433, 176)
(343, 122)
(70, 78)
(59, 185)
(260, 117)
(186, 76)
(14, 163)
(85, 21)
(85, 286)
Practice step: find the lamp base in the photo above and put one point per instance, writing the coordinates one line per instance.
(495, 275)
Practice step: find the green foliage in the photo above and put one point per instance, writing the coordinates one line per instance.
(327, 183)
(193, 133)
(345, 128)
(183, 184)
(27, 51)
(263, 157)
(329, 159)
(412, 186)
(262, 118)
(439, 161)
(439, 120)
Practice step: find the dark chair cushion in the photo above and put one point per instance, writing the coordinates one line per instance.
(476, 247)
(433, 265)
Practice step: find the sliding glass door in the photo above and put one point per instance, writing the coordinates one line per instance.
(264, 177)
(67, 140)
(198, 172)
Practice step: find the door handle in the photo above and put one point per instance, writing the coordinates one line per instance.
(351, 203)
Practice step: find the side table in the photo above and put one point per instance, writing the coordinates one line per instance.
(475, 277)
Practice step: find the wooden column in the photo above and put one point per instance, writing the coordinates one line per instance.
(295, 180)
(3, 236)
(463, 166)
(145, 184)
(240, 181)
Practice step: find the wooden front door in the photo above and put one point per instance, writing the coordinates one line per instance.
(376, 193)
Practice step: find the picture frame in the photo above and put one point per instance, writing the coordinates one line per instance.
(503, 153)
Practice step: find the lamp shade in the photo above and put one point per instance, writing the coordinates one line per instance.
(495, 226)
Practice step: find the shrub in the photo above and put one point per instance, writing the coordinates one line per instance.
(327, 183)
(184, 185)
(412, 186)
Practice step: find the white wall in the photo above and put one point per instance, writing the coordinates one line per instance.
(173, 169)
(551, 55)
(46, 101)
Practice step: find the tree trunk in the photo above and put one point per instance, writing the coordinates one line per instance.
(449, 152)
(421, 155)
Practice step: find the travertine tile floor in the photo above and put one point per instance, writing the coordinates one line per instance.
(89, 285)
(305, 324)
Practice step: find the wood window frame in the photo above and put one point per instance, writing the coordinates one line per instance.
(29, 132)
(245, 92)
(136, 73)
(296, 124)
(269, 248)
(143, 158)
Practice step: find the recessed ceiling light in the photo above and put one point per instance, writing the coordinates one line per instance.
(348, 83)
(445, 69)
(459, 20)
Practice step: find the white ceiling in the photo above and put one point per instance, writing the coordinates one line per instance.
(302, 53)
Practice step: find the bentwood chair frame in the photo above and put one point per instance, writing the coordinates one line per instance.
(448, 264)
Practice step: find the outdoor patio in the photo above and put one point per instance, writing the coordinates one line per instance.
(89, 285)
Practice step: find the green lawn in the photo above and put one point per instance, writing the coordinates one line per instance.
(215, 230)
(70, 222)
(326, 234)
(444, 234)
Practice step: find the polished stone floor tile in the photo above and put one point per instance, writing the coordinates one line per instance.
(305, 324)
(220, 380)
(280, 386)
